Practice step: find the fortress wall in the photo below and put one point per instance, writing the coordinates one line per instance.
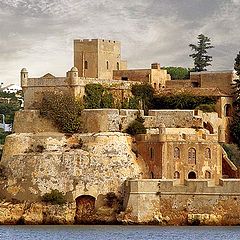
(142, 75)
(178, 83)
(173, 118)
(30, 121)
(195, 202)
(34, 164)
(109, 120)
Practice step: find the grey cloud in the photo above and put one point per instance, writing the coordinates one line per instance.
(38, 34)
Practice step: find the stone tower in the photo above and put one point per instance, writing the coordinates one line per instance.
(24, 78)
(97, 58)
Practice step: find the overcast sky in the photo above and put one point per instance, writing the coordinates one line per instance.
(38, 34)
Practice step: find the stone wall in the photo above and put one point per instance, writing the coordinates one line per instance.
(30, 121)
(196, 202)
(34, 164)
(110, 120)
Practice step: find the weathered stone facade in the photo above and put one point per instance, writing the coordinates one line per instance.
(195, 202)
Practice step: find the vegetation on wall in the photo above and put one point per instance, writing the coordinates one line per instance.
(64, 110)
(144, 94)
(235, 123)
(200, 57)
(136, 127)
(96, 96)
(178, 72)
(183, 101)
(54, 197)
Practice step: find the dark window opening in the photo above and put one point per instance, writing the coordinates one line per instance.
(86, 65)
(192, 156)
(107, 65)
(117, 65)
(208, 153)
(207, 175)
(227, 110)
(176, 175)
(125, 78)
(176, 152)
(151, 153)
(192, 175)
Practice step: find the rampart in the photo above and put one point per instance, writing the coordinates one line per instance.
(195, 202)
(115, 120)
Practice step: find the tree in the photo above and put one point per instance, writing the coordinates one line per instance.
(201, 59)
(143, 92)
(63, 109)
(236, 84)
(178, 72)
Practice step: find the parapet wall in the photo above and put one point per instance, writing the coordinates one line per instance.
(115, 120)
(167, 202)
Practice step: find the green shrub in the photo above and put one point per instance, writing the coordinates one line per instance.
(54, 197)
(180, 101)
(206, 107)
(178, 72)
(131, 103)
(144, 93)
(64, 110)
(136, 127)
(96, 96)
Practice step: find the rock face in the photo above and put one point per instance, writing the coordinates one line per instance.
(36, 213)
(81, 164)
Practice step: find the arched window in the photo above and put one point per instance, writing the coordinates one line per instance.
(107, 65)
(86, 65)
(227, 110)
(208, 153)
(151, 153)
(176, 175)
(192, 156)
(176, 152)
(207, 175)
(192, 175)
(155, 85)
(117, 65)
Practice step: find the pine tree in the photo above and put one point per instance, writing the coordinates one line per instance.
(201, 59)
(236, 84)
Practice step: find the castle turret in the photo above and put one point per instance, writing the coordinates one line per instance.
(162, 132)
(24, 78)
(73, 74)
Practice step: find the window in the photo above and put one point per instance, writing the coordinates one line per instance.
(117, 65)
(86, 65)
(155, 85)
(125, 78)
(192, 175)
(176, 152)
(208, 153)
(192, 156)
(207, 175)
(176, 175)
(227, 110)
(151, 153)
(107, 65)
(159, 85)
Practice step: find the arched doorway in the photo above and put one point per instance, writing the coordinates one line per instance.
(192, 175)
(209, 127)
(227, 110)
(85, 207)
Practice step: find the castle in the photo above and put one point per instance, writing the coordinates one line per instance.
(177, 170)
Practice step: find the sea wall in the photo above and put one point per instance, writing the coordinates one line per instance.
(196, 202)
